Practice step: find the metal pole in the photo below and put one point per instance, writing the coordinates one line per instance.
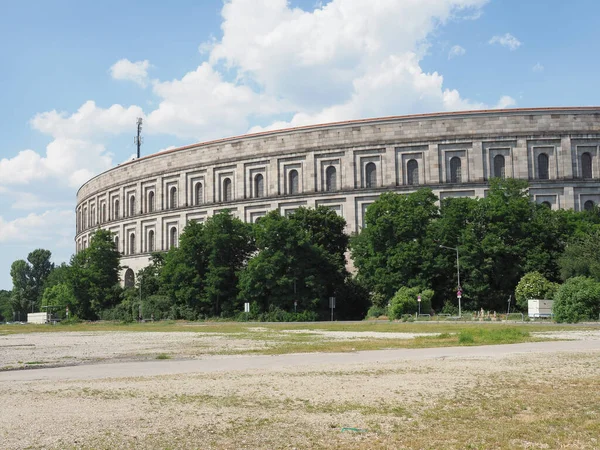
(458, 276)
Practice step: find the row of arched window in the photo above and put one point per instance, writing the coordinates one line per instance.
(150, 242)
(86, 220)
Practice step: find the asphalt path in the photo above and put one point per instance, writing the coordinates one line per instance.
(277, 362)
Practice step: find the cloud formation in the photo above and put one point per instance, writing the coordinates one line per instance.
(507, 40)
(137, 71)
(538, 68)
(456, 51)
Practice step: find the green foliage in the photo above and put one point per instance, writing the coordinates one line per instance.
(499, 238)
(201, 275)
(405, 301)
(533, 285)
(5, 306)
(376, 311)
(393, 247)
(582, 256)
(60, 296)
(94, 276)
(157, 306)
(576, 300)
(290, 266)
(275, 314)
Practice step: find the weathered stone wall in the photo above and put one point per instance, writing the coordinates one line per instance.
(369, 157)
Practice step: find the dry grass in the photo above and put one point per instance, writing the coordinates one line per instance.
(536, 402)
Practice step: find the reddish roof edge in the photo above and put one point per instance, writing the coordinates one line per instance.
(352, 122)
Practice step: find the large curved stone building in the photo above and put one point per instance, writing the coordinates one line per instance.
(344, 166)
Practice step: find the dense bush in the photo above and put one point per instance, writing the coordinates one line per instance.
(534, 285)
(276, 314)
(405, 301)
(576, 300)
(376, 311)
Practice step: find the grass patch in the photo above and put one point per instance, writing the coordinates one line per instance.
(163, 356)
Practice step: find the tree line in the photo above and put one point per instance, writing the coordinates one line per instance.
(287, 267)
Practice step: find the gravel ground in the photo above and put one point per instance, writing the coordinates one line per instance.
(61, 348)
(396, 403)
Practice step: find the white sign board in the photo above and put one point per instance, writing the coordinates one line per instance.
(247, 307)
(332, 302)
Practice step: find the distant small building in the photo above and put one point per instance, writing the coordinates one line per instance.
(40, 317)
(539, 308)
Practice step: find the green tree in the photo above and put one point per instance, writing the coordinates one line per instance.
(6, 311)
(405, 301)
(582, 256)
(287, 268)
(94, 276)
(533, 285)
(23, 297)
(576, 300)
(40, 268)
(393, 248)
(182, 276)
(228, 245)
(59, 297)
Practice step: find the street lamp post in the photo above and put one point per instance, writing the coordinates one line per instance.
(459, 293)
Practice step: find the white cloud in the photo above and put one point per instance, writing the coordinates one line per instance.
(49, 226)
(538, 68)
(505, 102)
(202, 105)
(132, 71)
(88, 121)
(506, 40)
(456, 51)
(313, 58)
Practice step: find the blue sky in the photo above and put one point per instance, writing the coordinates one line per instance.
(75, 75)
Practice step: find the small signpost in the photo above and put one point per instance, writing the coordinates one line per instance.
(459, 296)
(419, 301)
(247, 309)
(67, 310)
(332, 306)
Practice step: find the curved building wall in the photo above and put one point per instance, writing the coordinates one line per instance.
(344, 166)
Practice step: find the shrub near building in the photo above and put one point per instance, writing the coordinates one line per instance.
(576, 300)
(405, 301)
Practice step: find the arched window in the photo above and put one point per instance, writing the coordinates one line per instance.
(173, 237)
(94, 221)
(259, 186)
(588, 206)
(85, 218)
(543, 173)
(586, 165)
(103, 212)
(116, 210)
(293, 182)
(80, 221)
(150, 206)
(412, 172)
(370, 175)
(132, 206)
(455, 170)
(499, 170)
(330, 179)
(117, 242)
(173, 198)
(227, 190)
(199, 194)
(132, 243)
(151, 241)
(129, 278)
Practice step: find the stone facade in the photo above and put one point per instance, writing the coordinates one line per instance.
(344, 166)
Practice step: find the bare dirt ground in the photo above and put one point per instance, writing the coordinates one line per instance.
(533, 395)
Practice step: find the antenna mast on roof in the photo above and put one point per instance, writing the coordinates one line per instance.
(138, 139)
